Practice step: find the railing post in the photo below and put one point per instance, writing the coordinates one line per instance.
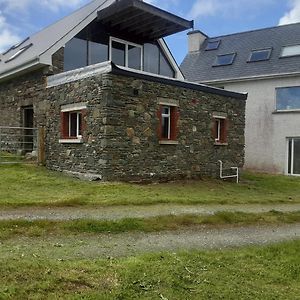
(41, 146)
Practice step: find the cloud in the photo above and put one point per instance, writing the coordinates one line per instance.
(229, 8)
(7, 35)
(292, 16)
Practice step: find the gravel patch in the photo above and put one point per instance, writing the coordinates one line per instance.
(121, 212)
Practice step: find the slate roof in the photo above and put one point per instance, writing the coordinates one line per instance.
(198, 66)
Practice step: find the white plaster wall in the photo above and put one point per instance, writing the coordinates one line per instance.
(266, 132)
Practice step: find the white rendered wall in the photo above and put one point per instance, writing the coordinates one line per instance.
(266, 132)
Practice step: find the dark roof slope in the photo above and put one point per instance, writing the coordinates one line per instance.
(198, 66)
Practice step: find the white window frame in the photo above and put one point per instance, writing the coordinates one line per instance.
(126, 43)
(292, 156)
(288, 109)
(290, 55)
(78, 114)
(168, 115)
(218, 120)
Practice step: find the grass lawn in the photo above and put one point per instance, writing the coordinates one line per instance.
(31, 185)
(13, 228)
(271, 272)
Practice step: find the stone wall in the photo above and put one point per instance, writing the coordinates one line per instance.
(121, 140)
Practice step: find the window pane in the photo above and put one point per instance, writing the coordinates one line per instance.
(134, 57)
(75, 54)
(223, 60)
(297, 156)
(80, 124)
(165, 67)
(212, 45)
(290, 50)
(259, 55)
(165, 127)
(290, 157)
(118, 53)
(73, 124)
(98, 52)
(151, 58)
(288, 98)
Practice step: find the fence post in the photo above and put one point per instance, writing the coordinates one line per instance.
(41, 146)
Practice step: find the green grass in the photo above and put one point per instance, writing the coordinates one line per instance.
(23, 185)
(13, 228)
(265, 273)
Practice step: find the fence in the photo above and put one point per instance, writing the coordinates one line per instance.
(19, 144)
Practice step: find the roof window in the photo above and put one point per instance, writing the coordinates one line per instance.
(15, 46)
(18, 53)
(290, 51)
(260, 55)
(212, 45)
(224, 60)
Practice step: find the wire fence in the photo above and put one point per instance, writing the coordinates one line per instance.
(18, 144)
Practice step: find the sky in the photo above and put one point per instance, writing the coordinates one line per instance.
(21, 18)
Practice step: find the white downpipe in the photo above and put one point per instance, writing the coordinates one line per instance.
(236, 175)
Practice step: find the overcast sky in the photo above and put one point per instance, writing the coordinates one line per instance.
(21, 18)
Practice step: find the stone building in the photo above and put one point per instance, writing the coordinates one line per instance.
(113, 101)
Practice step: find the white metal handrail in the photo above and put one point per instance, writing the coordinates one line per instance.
(236, 175)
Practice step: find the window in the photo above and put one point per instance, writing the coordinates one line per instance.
(76, 54)
(72, 123)
(290, 50)
(212, 45)
(288, 98)
(224, 60)
(18, 53)
(294, 156)
(220, 129)
(260, 55)
(126, 54)
(168, 123)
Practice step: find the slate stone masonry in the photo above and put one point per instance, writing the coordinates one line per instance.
(121, 140)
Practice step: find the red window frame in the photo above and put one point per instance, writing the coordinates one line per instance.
(173, 122)
(66, 122)
(220, 130)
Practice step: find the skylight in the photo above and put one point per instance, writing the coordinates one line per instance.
(212, 45)
(18, 53)
(290, 50)
(260, 55)
(224, 60)
(16, 46)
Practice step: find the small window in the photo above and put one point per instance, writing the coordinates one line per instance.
(18, 53)
(290, 51)
(168, 117)
(212, 45)
(260, 55)
(288, 98)
(219, 130)
(72, 123)
(224, 60)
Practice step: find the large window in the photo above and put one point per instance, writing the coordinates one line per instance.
(126, 54)
(288, 98)
(294, 156)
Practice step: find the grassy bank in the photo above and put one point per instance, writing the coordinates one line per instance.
(10, 229)
(23, 185)
(271, 272)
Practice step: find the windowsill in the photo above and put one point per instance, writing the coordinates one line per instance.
(220, 144)
(286, 111)
(168, 142)
(71, 141)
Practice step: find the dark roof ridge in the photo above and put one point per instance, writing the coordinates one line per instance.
(253, 30)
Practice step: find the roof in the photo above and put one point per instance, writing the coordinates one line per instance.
(109, 67)
(142, 20)
(198, 66)
(36, 51)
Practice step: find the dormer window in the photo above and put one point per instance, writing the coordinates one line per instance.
(290, 51)
(212, 45)
(126, 54)
(224, 60)
(260, 55)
